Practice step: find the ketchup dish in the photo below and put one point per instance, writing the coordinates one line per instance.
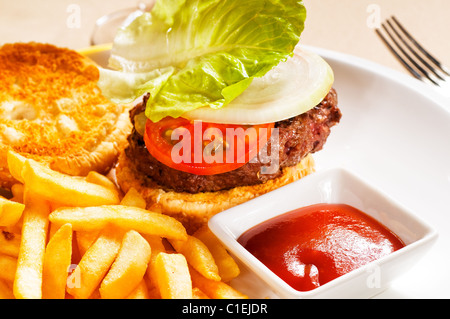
(313, 245)
(329, 235)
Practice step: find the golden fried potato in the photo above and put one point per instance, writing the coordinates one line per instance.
(6, 291)
(15, 164)
(128, 269)
(9, 243)
(198, 256)
(174, 280)
(157, 246)
(85, 239)
(214, 289)
(8, 267)
(99, 179)
(133, 198)
(28, 280)
(228, 268)
(140, 292)
(95, 263)
(127, 217)
(65, 189)
(10, 212)
(57, 260)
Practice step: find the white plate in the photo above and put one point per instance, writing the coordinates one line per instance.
(394, 133)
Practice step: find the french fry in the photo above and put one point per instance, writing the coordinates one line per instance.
(173, 276)
(157, 247)
(121, 247)
(15, 164)
(128, 269)
(10, 212)
(198, 294)
(8, 267)
(133, 198)
(5, 291)
(214, 289)
(64, 189)
(17, 192)
(140, 292)
(95, 263)
(9, 243)
(99, 179)
(57, 259)
(198, 256)
(127, 217)
(28, 280)
(228, 268)
(85, 239)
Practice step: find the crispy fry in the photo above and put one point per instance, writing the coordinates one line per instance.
(28, 280)
(57, 260)
(143, 221)
(133, 198)
(5, 290)
(8, 267)
(173, 276)
(157, 246)
(99, 179)
(95, 263)
(17, 192)
(15, 164)
(122, 249)
(65, 189)
(128, 269)
(10, 212)
(85, 239)
(9, 243)
(228, 268)
(198, 294)
(198, 256)
(140, 292)
(214, 289)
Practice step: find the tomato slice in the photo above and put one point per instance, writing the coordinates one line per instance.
(204, 148)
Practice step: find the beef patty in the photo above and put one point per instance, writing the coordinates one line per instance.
(298, 137)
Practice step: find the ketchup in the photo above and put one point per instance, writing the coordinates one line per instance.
(313, 245)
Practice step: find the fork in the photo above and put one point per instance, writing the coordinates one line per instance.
(418, 61)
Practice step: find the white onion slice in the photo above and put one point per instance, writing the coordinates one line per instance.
(290, 89)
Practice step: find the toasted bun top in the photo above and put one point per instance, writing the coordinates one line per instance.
(51, 110)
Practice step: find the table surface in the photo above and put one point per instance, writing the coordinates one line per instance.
(345, 26)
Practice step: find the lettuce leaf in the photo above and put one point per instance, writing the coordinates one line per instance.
(215, 47)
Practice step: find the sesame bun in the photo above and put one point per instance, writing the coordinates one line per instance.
(194, 210)
(51, 110)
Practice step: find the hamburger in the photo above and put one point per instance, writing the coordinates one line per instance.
(193, 81)
(51, 110)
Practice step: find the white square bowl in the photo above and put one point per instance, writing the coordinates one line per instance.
(332, 186)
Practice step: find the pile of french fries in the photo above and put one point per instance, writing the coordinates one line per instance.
(79, 237)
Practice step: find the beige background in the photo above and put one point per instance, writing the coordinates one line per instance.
(340, 25)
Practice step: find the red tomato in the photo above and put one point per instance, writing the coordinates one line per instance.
(204, 148)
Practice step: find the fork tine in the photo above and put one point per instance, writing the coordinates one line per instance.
(417, 70)
(421, 48)
(425, 63)
(398, 56)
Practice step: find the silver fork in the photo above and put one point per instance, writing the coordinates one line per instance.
(418, 61)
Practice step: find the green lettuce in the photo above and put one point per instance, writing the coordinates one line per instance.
(213, 49)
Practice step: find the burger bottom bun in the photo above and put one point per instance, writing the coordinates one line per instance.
(194, 210)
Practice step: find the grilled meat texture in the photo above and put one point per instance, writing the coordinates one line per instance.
(298, 137)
